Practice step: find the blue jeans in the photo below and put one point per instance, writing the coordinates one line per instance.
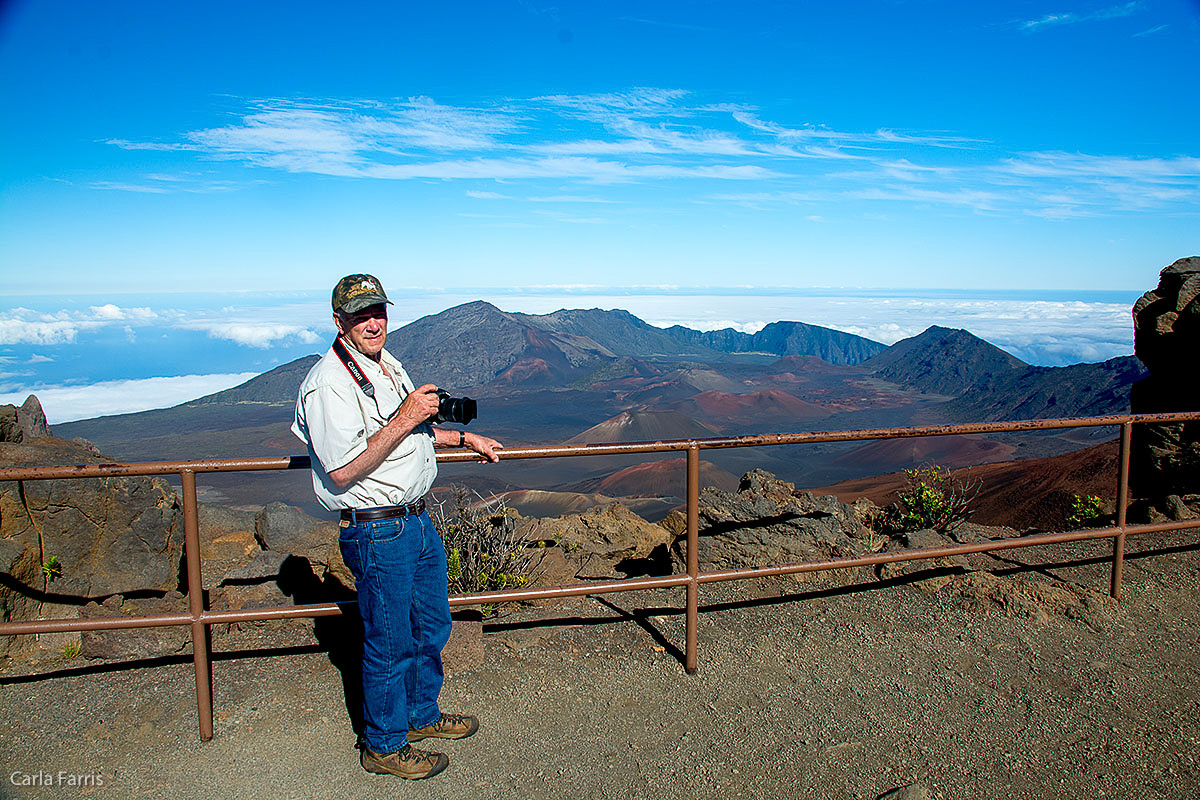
(399, 567)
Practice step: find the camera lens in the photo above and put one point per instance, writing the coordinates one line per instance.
(459, 410)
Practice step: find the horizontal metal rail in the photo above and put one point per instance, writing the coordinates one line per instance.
(200, 618)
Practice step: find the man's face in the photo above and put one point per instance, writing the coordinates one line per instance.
(365, 329)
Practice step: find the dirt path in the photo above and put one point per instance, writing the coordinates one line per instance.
(802, 692)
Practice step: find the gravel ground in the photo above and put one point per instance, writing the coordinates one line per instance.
(803, 691)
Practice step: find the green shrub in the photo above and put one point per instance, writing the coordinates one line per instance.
(483, 550)
(1086, 512)
(51, 568)
(933, 498)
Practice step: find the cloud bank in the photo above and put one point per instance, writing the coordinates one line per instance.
(68, 403)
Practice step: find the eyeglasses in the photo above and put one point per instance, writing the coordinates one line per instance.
(362, 315)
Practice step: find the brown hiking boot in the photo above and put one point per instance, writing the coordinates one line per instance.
(449, 726)
(407, 762)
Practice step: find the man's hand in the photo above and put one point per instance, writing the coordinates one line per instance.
(483, 445)
(420, 405)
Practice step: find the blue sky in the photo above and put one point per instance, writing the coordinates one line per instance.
(577, 154)
(266, 145)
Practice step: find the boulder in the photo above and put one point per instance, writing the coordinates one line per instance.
(605, 542)
(1165, 459)
(132, 643)
(281, 528)
(68, 541)
(227, 541)
(766, 522)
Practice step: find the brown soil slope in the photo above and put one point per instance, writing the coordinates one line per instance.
(1031, 493)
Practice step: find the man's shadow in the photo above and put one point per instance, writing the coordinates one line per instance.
(339, 636)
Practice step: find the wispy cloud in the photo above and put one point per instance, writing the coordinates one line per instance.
(1073, 17)
(1151, 31)
(658, 135)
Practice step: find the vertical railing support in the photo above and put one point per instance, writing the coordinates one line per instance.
(693, 553)
(1118, 562)
(191, 547)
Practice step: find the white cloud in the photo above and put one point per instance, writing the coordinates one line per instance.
(109, 311)
(253, 334)
(25, 326)
(67, 403)
(17, 331)
(660, 135)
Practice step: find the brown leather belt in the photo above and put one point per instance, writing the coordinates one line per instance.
(383, 512)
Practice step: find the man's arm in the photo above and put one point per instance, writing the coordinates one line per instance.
(448, 437)
(420, 405)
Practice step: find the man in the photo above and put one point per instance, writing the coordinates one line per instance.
(370, 440)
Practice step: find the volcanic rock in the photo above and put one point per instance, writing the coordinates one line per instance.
(606, 542)
(1165, 459)
(133, 643)
(20, 424)
(766, 522)
(72, 540)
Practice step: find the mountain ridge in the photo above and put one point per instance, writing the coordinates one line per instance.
(565, 377)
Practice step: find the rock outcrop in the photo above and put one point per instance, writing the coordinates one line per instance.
(1165, 459)
(69, 541)
(766, 522)
(606, 542)
(23, 423)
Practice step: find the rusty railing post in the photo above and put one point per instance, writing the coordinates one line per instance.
(1118, 562)
(191, 547)
(693, 554)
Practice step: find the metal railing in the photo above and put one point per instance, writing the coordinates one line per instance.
(200, 618)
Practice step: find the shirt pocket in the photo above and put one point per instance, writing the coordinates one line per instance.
(407, 447)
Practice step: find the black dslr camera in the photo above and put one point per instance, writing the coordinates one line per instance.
(454, 409)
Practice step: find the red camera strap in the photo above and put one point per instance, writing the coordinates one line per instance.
(353, 368)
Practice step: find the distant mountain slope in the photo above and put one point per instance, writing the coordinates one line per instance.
(624, 334)
(262, 401)
(751, 410)
(279, 385)
(989, 384)
(618, 331)
(946, 361)
(666, 478)
(948, 451)
(1034, 492)
(474, 343)
(644, 425)
(1080, 390)
(785, 339)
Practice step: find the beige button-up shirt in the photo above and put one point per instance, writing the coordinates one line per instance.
(334, 419)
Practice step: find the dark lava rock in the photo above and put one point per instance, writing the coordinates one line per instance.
(1165, 459)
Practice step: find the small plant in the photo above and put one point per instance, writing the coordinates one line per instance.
(51, 569)
(483, 550)
(72, 649)
(1085, 512)
(933, 498)
(874, 542)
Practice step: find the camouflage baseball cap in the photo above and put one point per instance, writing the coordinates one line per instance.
(356, 292)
